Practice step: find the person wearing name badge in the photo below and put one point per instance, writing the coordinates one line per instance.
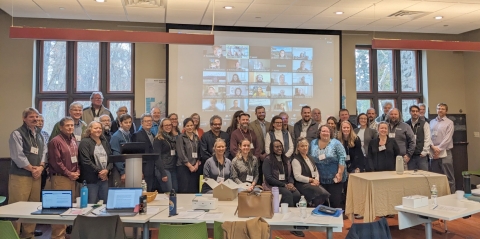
(75, 112)
(277, 171)
(402, 133)
(116, 123)
(93, 153)
(27, 150)
(276, 132)
(210, 137)
(306, 175)
(118, 138)
(218, 166)
(329, 156)
(93, 112)
(344, 115)
(372, 115)
(244, 132)
(306, 127)
(332, 123)
(382, 151)
(174, 119)
(106, 125)
(165, 145)
(64, 169)
(421, 130)
(235, 124)
(188, 163)
(245, 165)
(352, 144)
(364, 132)
(386, 106)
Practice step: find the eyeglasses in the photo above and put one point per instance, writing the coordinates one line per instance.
(217, 124)
(278, 122)
(147, 121)
(173, 118)
(97, 98)
(167, 125)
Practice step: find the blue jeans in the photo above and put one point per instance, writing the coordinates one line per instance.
(171, 182)
(98, 191)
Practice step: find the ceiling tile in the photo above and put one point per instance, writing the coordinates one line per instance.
(305, 10)
(136, 14)
(314, 26)
(251, 24)
(326, 20)
(293, 18)
(315, 3)
(263, 8)
(197, 5)
(344, 27)
(278, 2)
(258, 17)
(284, 24)
(357, 21)
(347, 12)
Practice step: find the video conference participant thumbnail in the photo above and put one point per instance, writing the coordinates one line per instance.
(214, 105)
(281, 65)
(214, 64)
(237, 77)
(259, 65)
(281, 92)
(214, 77)
(253, 103)
(237, 51)
(281, 52)
(302, 66)
(302, 53)
(259, 91)
(302, 92)
(302, 79)
(259, 52)
(237, 91)
(237, 65)
(215, 51)
(259, 77)
(281, 78)
(237, 104)
(282, 105)
(213, 91)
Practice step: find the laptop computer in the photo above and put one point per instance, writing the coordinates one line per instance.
(55, 202)
(122, 201)
(133, 148)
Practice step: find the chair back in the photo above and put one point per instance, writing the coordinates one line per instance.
(189, 231)
(377, 230)
(217, 230)
(108, 227)
(7, 231)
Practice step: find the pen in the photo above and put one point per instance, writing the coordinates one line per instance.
(434, 207)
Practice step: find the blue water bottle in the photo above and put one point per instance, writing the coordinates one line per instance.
(172, 205)
(84, 195)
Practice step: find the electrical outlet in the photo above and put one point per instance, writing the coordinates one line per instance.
(476, 134)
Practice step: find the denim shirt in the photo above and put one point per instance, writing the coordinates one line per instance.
(335, 155)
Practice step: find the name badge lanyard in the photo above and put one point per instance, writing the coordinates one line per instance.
(33, 142)
(74, 154)
(283, 170)
(313, 166)
(392, 130)
(251, 139)
(95, 114)
(194, 150)
(223, 168)
(170, 145)
(249, 166)
(125, 138)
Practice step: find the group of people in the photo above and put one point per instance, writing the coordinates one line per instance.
(311, 158)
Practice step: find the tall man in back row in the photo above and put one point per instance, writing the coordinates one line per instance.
(27, 150)
(441, 129)
(93, 112)
(305, 127)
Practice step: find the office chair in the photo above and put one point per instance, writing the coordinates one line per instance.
(189, 231)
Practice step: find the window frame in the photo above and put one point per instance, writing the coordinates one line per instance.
(397, 94)
(70, 95)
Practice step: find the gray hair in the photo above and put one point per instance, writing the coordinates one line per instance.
(387, 103)
(28, 111)
(123, 106)
(75, 104)
(214, 118)
(145, 115)
(104, 115)
(96, 93)
(371, 109)
(40, 116)
(282, 113)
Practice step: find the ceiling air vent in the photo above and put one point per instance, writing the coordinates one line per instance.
(410, 15)
(143, 3)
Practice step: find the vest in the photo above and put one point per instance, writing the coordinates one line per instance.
(27, 140)
(305, 169)
(286, 139)
(420, 134)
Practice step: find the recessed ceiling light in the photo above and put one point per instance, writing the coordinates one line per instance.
(100, 0)
(438, 17)
(61, 8)
(339, 13)
(228, 7)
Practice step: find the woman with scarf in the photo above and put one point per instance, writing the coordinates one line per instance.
(165, 145)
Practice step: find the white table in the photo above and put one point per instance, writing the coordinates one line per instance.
(409, 217)
(23, 210)
(184, 201)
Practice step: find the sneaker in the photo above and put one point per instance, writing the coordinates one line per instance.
(298, 233)
(358, 216)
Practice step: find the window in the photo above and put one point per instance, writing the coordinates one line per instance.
(387, 76)
(71, 71)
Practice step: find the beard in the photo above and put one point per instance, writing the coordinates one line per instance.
(394, 121)
(107, 127)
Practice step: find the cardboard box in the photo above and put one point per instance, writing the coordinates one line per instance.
(204, 203)
(415, 201)
(226, 191)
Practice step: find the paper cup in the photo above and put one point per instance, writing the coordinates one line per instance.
(460, 194)
(284, 207)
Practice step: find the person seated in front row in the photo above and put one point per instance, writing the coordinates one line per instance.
(277, 171)
(307, 178)
(245, 165)
(218, 166)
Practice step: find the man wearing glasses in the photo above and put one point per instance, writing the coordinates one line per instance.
(208, 139)
(94, 111)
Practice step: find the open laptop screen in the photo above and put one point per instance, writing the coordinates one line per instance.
(122, 198)
(52, 199)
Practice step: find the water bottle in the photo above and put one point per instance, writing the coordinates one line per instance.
(172, 205)
(302, 204)
(143, 205)
(399, 165)
(467, 187)
(276, 199)
(434, 195)
(144, 186)
(84, 195)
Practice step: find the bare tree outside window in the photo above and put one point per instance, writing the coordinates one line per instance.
(88, 64)
(52, 112)
(409, 71)
(113, 105)
(362, 69)
(385, 70)
(54, 66)
(120, 67)
(406, 103)
(363, 106)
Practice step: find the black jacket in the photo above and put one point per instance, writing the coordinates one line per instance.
(163, 147)
(357, 160)
(208, 140)
(385, 162)
(88, 168)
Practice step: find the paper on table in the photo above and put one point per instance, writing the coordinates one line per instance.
(152, 210)
(161, 196)
(449, 208)
(77, 211)
(317, 219)
(212, 216)
(190, 214)
(292, 217)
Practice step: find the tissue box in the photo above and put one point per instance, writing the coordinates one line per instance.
(415, 201)
(204, 203)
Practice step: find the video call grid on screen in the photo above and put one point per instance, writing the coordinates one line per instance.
(281, 72)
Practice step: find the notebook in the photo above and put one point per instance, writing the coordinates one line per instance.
(55, 202)
(122, 201)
